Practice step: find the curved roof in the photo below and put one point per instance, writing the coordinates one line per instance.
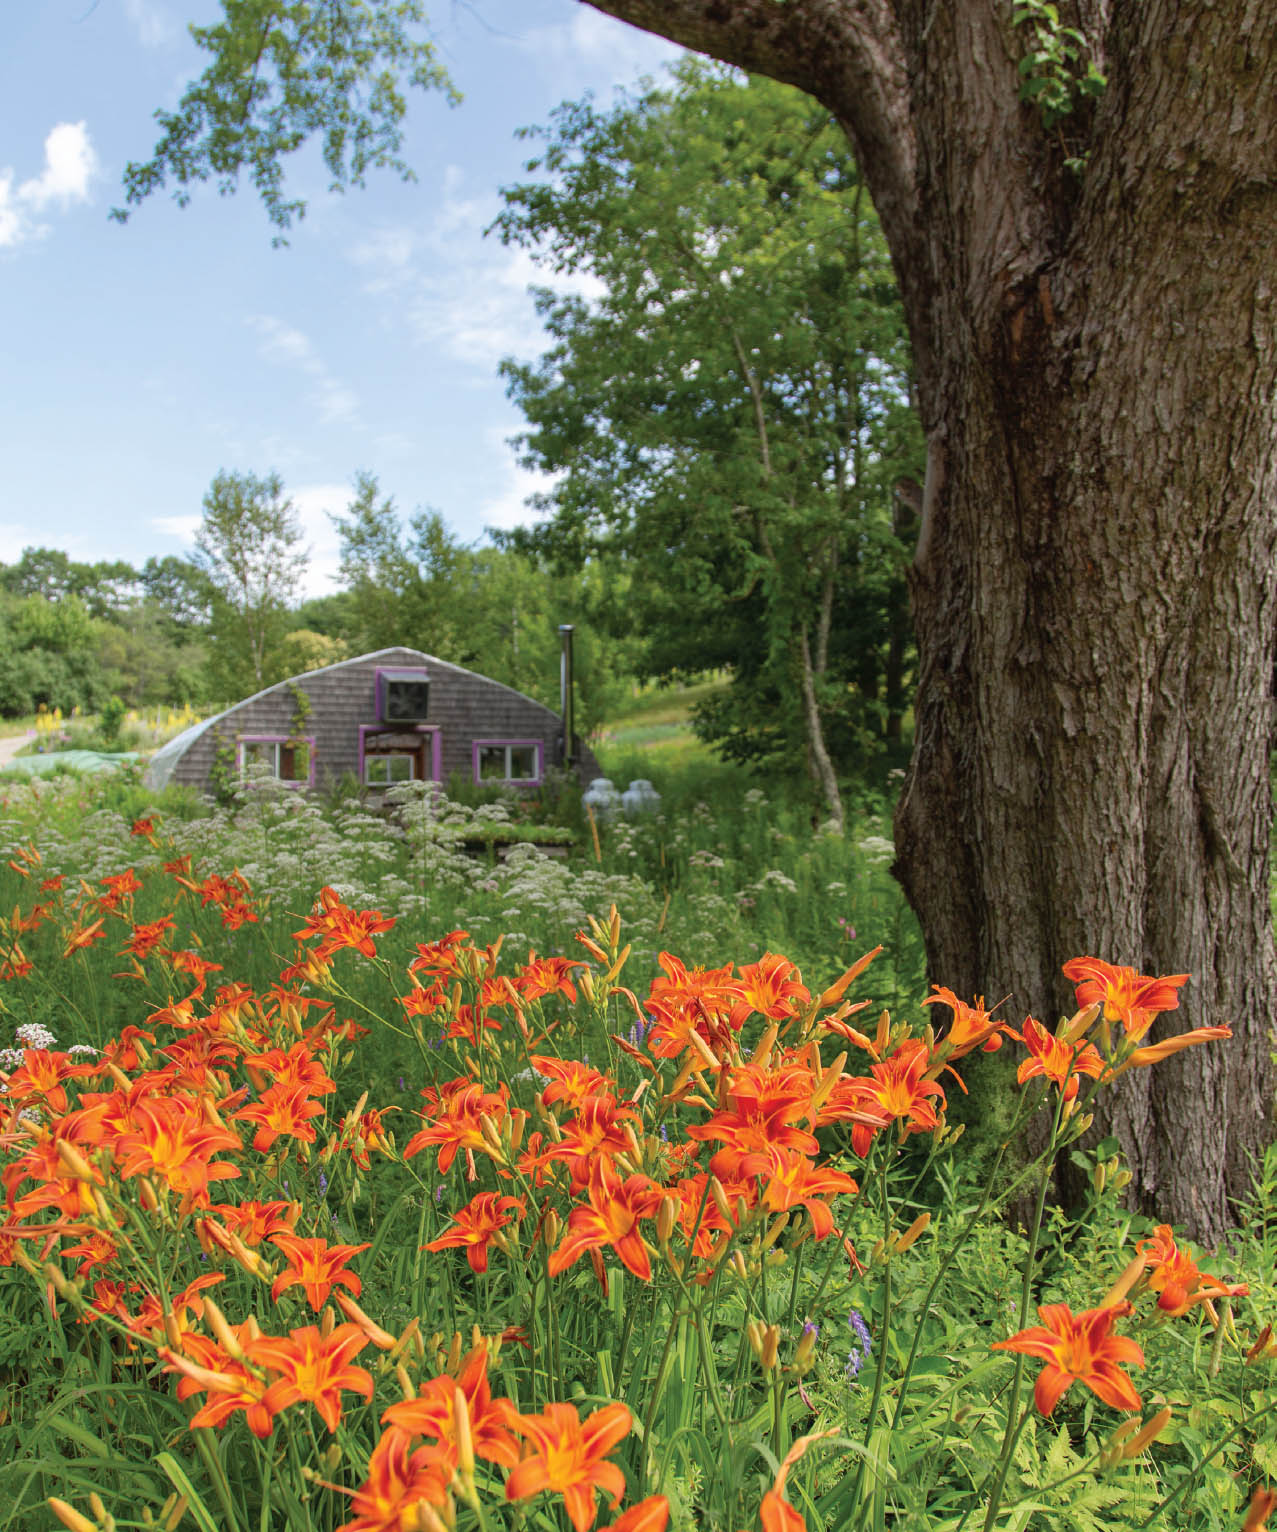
(163, 763)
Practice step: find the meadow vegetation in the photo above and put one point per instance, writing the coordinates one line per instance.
(356, 1180)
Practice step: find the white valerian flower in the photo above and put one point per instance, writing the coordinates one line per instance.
(877, 848)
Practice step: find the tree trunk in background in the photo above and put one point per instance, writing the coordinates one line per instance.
(1094, 588)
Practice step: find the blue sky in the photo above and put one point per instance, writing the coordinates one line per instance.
(140, 360)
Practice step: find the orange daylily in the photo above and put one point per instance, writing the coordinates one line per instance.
(1141, 1058)
(476, 1224)
(460, 1107)
(433, 1412)
(313, 1366)
(593, 1136)
(761, 1123)
(1262, 1504)
(773, 988)
(440, 959)
(119, 887)
(338, 926)
(612, 1218)
(793, 1181)
(1133, 999)
(283, 1109)
(317, 1265)
(900, 1088)
(1079, 1349)
(776, 1513)
(571, 1080)
(206, 1368)
(1174, 1276)
(567, 1458)
(84, 936)
(399, 1480)
(685, 1001)
(650, 1515)
(171, 1137)
(145, 939)
(546, 976)
(970, 1028)
(1062, 1062)
(255, 1221)
(297, 1066)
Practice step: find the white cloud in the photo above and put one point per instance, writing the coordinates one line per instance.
(508, 508)
(70, 164)
(598, 46)
(183, 527)
(152, 23)
(291, 348)
(14, 537)
(459, 293)
(314, 504)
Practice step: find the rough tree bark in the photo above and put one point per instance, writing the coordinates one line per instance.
(1094, 589)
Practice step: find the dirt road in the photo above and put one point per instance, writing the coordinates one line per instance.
(9, 747)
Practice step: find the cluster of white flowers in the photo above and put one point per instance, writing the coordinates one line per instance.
(876, 848)
(32, 1035)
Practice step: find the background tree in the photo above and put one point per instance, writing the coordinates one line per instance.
(730, 415)
(249, 547)
(1086, 280)
(489, 609)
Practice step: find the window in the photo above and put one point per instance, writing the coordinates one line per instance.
(387, 769)
(288, 759)
(403, 696)
(500, 760)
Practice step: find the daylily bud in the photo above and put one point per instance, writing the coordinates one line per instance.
(173, 1510)
(69, 1516)
(770, 1347)
(806, 1346)
(586, 981)
(720, 1199)
(736, 1264)
(1263, 1347)
(222, 1331)
(1130, 1276)
(465, 1441)
(914, 1232)
(1148, 1432)
(73, 1162)
(380, 1338)
(754, 1335)
(1097, 1179)
(1077, 1027)
(406, 1385)
(666, 1218)
(775, 1231)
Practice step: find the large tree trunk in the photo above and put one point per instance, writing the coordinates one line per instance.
(1095, 589)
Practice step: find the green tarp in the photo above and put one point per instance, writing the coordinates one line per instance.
(77, 760)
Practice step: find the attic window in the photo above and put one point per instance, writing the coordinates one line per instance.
(507, 760)
(289, 759)
(403, 696)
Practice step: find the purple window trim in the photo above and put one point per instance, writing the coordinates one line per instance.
(386, 673)
(432, 729)
(280, 739)
(536, 744)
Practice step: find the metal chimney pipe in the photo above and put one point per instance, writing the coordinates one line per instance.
(566, 630)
